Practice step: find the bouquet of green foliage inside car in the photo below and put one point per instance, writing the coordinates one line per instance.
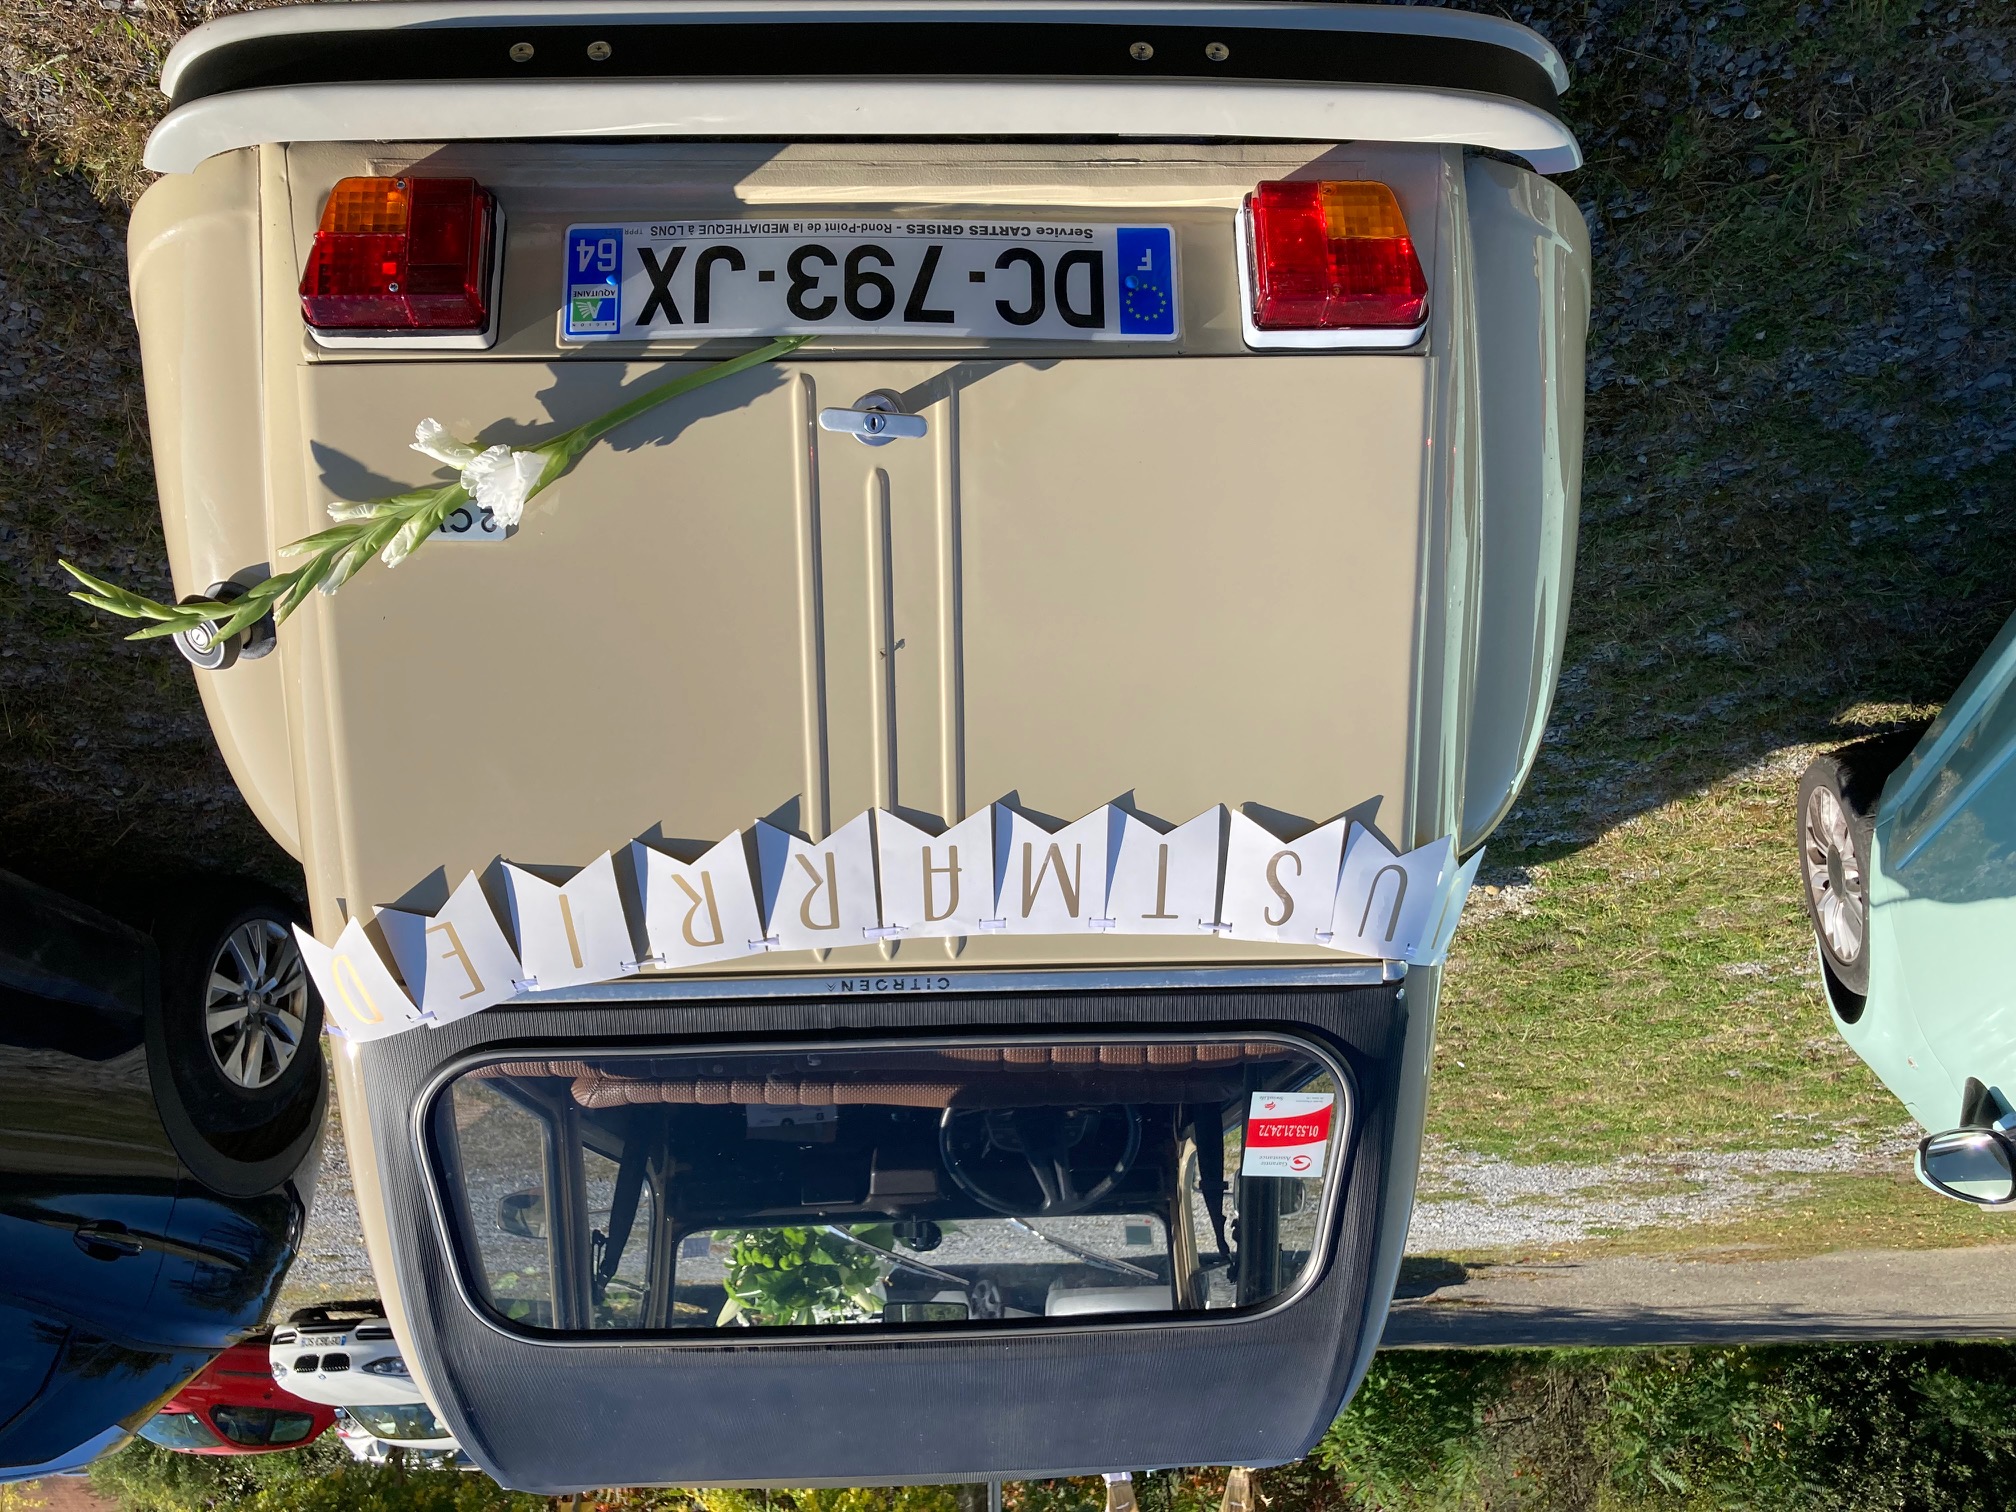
(799, 1275)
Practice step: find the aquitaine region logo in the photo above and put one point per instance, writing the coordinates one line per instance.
(594, 280)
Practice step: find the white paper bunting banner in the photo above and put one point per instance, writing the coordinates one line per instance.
(819, 897)
(458, 962)
(1388, 905)
(360, 1000)
(1050, 883)
(936, 885)
(1167, 884)
(880, 877)
(1280, 889)
(572, 933)
(698, 911)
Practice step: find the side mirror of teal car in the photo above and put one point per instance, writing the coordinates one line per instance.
(1974, 1165)
(1908, 859)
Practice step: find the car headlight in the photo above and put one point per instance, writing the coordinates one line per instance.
(391, 1366)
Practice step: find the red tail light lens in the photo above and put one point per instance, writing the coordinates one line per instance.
(1330, 256)
(402, 254)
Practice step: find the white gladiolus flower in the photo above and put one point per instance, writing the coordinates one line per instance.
(501, 480)
(431, 438)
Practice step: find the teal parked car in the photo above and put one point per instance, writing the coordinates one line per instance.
(1908, 856)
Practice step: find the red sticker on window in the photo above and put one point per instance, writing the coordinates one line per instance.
(1288, 1133)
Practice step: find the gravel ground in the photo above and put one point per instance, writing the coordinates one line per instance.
(331, 1263)
(1471, 1202)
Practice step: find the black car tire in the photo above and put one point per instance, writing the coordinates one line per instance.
(1836, 823)
(244, 1121)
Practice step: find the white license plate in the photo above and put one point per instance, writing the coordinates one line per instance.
(1043, 280)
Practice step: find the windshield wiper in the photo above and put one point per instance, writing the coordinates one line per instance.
(904, 1260)
(1090, 1257)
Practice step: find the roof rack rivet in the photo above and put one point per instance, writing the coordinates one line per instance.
(1217, 52)
(521, 52)
(1141, 52)
(598, 51)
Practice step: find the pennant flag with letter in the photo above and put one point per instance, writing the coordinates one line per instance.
(573, 933)
(458, 962)
(819, 897)
(936, 885)
(1388, 904)
(1051, 883)
(1167, 884)
(1280, 889)
(359, 998)
(698, 911)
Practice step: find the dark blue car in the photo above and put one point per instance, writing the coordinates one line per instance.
(161, 1104)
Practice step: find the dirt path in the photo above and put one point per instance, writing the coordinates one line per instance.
(1851, 1294)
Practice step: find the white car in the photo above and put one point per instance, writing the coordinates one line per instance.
(367, 1448)
(351, 1361)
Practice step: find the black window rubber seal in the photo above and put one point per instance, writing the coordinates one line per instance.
(868, 49)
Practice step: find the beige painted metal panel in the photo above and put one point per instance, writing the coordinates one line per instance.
(1192, 581)
(193, 260)
(1088, 580)
(632, 656)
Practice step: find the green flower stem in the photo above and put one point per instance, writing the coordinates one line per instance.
(579, 439)
(337, 554)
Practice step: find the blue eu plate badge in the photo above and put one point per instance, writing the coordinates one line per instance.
(1147, 257)
(594, 280)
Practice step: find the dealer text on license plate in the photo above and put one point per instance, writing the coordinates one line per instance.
(967, 278)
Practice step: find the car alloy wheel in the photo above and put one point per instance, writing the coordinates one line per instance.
(1835, 883)
(256, 1003)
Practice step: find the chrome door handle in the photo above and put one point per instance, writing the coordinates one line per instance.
(875, 420)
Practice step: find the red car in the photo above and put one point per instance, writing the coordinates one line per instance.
(235, 1407)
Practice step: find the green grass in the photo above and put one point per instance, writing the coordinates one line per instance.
(1653, 990)
(1758, 580)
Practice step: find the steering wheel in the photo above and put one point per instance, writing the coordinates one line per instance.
(1039, 1162)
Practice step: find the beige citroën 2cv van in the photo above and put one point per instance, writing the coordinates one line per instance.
(952, 830)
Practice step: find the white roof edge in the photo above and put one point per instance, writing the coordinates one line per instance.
(794, 109)
(387, 15)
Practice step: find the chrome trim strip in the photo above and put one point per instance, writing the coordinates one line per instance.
(669, 987)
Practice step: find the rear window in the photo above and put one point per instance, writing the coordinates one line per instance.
(253, 1427)
(179, 1430)
(949, 1185)
(406, 1422)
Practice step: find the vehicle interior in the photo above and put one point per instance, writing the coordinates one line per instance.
(938, 1185)
(399, 1422)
